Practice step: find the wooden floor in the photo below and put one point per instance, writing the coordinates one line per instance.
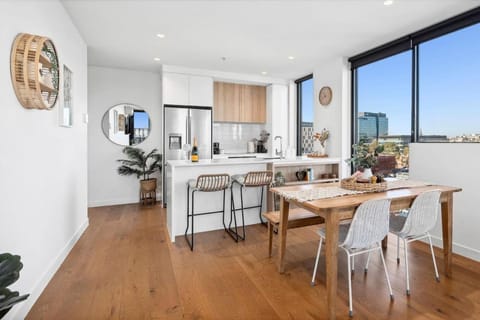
(125, 267)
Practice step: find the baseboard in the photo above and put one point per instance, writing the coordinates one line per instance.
(21, 310)
(459, 249)
(113, 202)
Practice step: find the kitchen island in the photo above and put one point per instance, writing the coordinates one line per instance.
(178, 172)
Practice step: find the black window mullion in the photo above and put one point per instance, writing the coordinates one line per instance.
(299, 83)
(415, 89)
(299, 118)
(354, 118)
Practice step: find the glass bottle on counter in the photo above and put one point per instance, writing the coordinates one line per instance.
(194, 155)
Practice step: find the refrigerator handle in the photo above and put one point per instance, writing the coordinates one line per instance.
(189, 123)
(187, 133)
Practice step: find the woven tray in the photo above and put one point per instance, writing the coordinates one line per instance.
(367, 187)
(315, 155)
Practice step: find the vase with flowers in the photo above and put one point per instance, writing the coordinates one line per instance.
(322, 137)
(364, 158)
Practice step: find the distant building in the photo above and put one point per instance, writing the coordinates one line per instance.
(406, 139)
(433, 138)
(466, 138)
(398, 139)
(372, 125)
(307, 137)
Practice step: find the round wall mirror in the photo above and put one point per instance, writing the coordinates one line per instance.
(126, 124)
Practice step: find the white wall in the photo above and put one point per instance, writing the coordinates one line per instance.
(43, 208)
(277, 117)
(335, 117)
(454, 165)
(106, 88)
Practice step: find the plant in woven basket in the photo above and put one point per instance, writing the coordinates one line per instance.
(143, 165)
(140, 163)
(365, 155)
(10, 267)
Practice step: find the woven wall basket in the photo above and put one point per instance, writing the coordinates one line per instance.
(35, 71)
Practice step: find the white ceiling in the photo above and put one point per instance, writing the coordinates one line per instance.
(254, 36)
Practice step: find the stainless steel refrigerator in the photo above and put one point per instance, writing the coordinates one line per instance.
(180, 125)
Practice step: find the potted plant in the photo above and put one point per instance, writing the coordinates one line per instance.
(365, 156)
(142, 165)
(10, 267)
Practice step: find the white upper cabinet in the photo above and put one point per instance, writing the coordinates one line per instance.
(183, 89)
(200, 91)
(175, 88)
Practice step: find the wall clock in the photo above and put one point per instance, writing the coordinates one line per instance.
(325, 96)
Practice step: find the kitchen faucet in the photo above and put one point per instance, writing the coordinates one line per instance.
(279, 153)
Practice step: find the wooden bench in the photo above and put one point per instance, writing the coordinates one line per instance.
(296, 218)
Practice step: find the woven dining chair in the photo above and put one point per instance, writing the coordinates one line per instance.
(362, 235)
(416, 225)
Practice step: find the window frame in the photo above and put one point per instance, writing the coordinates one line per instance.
(299, 83)
(411, 43)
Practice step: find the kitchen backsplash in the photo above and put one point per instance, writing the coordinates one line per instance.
(233, 137)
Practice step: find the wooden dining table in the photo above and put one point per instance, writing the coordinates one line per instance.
(336, 209)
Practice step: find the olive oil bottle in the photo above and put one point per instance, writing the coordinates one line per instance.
(194, 156)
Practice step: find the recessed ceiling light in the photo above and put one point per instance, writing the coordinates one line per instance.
(388, 2)
(156, 59)
(264, 72)
(291, 57)
(160, 35)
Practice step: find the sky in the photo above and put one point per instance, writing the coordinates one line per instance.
(307, 100)
(449, 82)
(141, 120)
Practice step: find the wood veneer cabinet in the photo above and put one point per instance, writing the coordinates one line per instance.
(226, 102)
(235, 102)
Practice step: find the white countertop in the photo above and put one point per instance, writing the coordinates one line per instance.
(242, 161)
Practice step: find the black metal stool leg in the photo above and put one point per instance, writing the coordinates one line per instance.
(223, 214)
(243, 214)
(193, 214)
(233, 219)
(188, 216)
(261, 206)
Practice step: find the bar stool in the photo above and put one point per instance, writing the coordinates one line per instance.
(205, 183)
(253, 179)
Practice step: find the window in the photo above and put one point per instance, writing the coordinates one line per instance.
(305, 115)
(449, 76)
(384, 96)
(419, 88)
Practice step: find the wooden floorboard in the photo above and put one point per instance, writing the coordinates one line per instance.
(125, 267)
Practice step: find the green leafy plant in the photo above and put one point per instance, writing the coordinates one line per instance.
(52, 57)
(365, 155)
(140, 163)
(10, 267)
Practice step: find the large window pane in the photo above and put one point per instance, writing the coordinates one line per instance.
(305, 110)
(384, 95)
(449, 94)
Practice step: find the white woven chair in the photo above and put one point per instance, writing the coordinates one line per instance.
(421, 218)
(362, 235)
